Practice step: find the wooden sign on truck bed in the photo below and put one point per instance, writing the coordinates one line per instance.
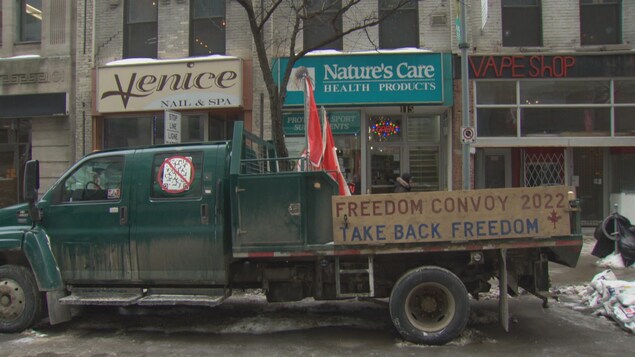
(460, 216)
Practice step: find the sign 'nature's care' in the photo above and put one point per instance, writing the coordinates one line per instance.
(451, 216)
(372, 78)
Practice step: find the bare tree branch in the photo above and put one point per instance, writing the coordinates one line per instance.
(298, 12)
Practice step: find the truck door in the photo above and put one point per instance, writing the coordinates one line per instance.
(87, 220)
(174, 235)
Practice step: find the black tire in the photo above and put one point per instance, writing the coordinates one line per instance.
(20, 300)
(429, 305)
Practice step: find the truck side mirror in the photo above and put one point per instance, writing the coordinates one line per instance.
(31, 187)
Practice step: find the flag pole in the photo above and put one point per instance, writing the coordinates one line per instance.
(303, 75)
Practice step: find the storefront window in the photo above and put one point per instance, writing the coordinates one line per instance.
(143, 131)
(565, 121)
(625, 121)
(349, 155)
(564, 92)
(624, 91)
(496, 92)
(553, 108)
(127, 132)
(424, 167)
(345, 127)
(623, 170)
(624, 94)
(496, 122)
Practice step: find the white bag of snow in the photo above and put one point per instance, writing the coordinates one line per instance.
(604, 275)
(613, 260)
(627, 296)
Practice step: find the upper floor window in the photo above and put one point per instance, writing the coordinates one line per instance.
(29, 21)
(600, 22)
(522, 23)
(140, 30)
(207, 31)
(323, 21)
(401, 27)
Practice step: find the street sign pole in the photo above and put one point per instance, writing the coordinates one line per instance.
(465, 98)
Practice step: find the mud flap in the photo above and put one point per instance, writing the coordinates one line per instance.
(58, 313)
(503, 303)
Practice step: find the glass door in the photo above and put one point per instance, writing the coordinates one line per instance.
(397, 145)
(385, 143)
(589, 173)
(493, 168)
(385, 166)
(14, 151)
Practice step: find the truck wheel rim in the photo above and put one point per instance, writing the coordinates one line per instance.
(12, 300)
(430, 307)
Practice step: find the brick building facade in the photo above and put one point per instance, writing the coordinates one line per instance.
(551, 87)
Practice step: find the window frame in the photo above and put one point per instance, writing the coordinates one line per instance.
(521, 6)
(593, 6)
(196, 20)
(386, 6)
(316, 19)
(128, 24)
(22, 14)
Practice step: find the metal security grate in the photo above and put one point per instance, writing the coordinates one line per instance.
(543, 168)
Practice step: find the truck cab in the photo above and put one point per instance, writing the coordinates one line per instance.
(127, 218)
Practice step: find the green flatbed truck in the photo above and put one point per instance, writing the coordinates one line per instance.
(185, 224)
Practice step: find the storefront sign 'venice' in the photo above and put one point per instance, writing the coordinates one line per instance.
(371, 79)
(172, 85)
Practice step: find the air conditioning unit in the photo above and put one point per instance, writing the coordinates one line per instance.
(625, 202)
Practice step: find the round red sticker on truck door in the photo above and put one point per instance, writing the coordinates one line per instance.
(176, 174)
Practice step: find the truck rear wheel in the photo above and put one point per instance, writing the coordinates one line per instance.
(20, 300)
(429, 305)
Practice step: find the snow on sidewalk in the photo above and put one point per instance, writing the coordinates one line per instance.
(610, 297)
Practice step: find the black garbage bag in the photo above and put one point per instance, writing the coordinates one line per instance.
(605, 244)
(626, 245)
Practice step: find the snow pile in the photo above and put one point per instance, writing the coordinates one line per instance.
(613, 260)
(613, 298)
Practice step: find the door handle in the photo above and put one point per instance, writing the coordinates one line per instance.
(123, 215)
(204, 213)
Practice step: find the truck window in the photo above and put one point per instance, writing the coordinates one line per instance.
(177, 175)
(95, 180)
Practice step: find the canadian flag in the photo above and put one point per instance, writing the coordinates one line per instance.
(314, 129)
(322, 150)
(330, 162)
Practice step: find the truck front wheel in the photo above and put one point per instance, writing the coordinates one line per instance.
(429, 305)
(20, 300)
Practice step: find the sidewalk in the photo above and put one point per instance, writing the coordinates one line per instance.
(586, 268)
